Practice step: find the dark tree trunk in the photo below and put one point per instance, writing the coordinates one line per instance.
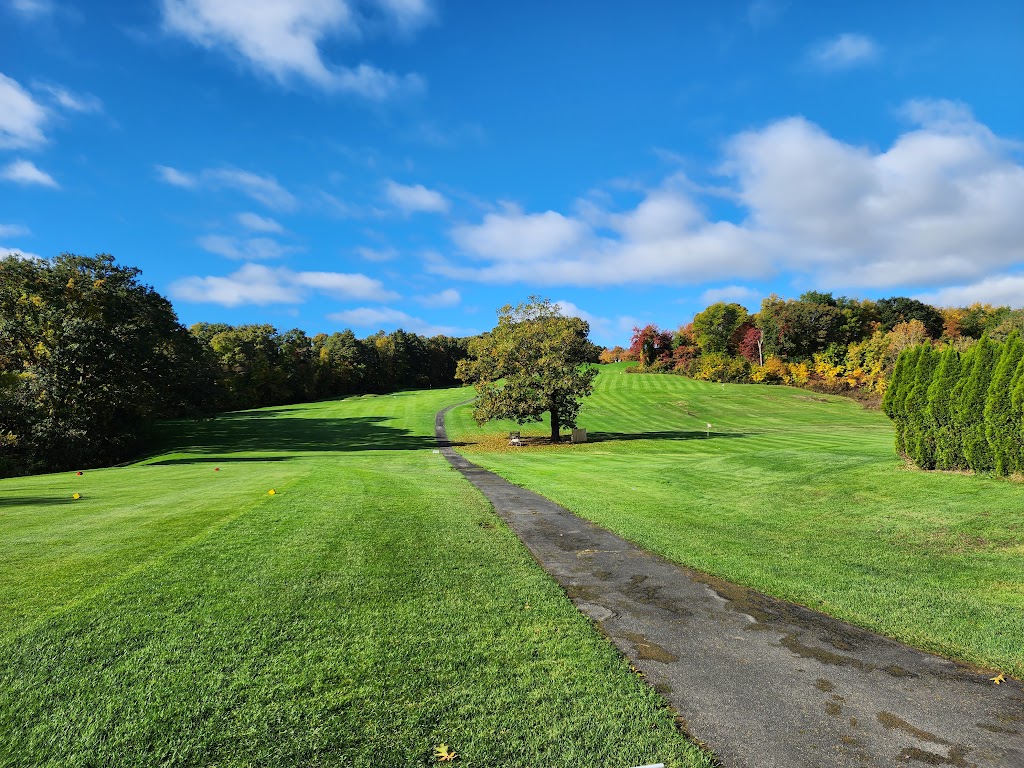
(555, 424)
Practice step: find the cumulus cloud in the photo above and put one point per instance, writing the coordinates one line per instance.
(845, 52)
(386, 318)
(415, 198)
(26, 173)
(21, 117)
(939, 206)
(258, 223)
(1000, 291)
(21, 253)
(263, 189)
(259, 284)
(284, 40)
(449, 297)
(245, 249)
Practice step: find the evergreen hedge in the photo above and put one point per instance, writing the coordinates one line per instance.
(958, 411)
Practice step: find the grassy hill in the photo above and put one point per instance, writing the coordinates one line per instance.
(796, 494)
(371, 609)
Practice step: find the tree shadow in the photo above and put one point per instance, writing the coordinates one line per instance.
(217, 460)
(30, 501)
(275, 432)
(602, 437)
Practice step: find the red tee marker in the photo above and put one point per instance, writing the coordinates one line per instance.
(216, 469)
(79, 473)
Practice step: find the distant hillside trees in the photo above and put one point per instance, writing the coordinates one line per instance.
(960, 411)
(90, 357)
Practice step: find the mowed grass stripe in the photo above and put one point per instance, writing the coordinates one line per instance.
(372, 609)
(795, 494)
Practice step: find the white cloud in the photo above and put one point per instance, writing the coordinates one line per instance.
(377, 254)
(33, 9)
(416, 198)
(262, 189)
(1001, 290)
(174, 177)
(6, 250)
(516, 236)
(25, 172)
(283, 39)
(407, 15)
(258, 223)
(245, 249)
(21, 117)
(74, 102)
(845, 51)
(13, 230)
(940, 206)
(345, 286)
(449, 297)
(385, 318)
(737, 294)
(258, 284)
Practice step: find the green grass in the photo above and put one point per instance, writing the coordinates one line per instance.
(375, 607)
(796, 494)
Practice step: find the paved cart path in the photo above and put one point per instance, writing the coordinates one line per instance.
(763, 683)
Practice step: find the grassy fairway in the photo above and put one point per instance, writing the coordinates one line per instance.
(374, 608)
(795, 494)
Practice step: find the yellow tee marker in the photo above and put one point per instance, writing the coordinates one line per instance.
(271, 492)
(76, 496)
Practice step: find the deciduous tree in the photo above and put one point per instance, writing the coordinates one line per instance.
(535, 361)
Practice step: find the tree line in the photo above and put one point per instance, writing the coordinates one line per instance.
(90, 358)
(960, 410)
(838, 345)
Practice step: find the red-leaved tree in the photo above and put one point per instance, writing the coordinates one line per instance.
(650, 344)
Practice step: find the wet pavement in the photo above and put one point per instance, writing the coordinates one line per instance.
(761, 682)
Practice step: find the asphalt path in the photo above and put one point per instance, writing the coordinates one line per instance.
(761, 682)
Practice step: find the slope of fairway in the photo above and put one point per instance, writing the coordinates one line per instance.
(373, 608)
(795, 494)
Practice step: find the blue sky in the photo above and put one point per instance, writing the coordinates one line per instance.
(377, 164)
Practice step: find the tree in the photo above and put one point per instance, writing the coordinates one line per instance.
(938, 413)
(715, 326)
(900, 309)
(970, 407)
(534, 361)
(649, 344)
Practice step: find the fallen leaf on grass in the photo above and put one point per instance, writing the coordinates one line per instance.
(443, 754)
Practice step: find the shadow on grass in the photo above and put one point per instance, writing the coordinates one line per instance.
(30, 501)
(602, 437)
(274, 431)
(217, 460)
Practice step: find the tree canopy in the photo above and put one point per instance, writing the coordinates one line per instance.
(535, 361)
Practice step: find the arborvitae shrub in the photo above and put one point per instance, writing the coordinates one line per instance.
(970, 410)
(938, 414)
(1002, 429)
(894, 401)
(918, 439)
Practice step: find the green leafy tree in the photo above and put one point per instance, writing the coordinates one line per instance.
(535, 361)
(894, 401)
(1002, 423)
(715, 327)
